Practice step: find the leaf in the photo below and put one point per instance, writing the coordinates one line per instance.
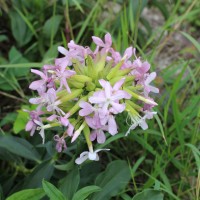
(69, 184)
(51, 26)
(196, 154)
(83, 193)
(16, 57)
(51, 53)
(30, 194)
(3, 38)
(52, 192)
(42, 171)
(192, 40)
(112, 180)
(8, 119)
(149, 195)
(19, 147)
(20, 122)
(20, 30)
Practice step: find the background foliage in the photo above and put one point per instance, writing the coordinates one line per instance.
(162, 162)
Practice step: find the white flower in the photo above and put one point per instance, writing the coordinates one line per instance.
(140, 121)
(41, 127)
(91, 155)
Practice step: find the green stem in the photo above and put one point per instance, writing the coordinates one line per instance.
(22, 65)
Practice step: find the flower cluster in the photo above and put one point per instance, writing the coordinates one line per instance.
(85, 90)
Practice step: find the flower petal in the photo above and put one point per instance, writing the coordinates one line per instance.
(101, 138)
(108, 40)
(62, 50)
(83, 157)
(98, 41)
(112, 126)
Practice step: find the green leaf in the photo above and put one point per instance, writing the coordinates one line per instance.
(20, 122)
(8, 119)
(196, 154)
(149, 195)
(191, 39)
(3, 38)
(51, 26)
(42, 171)
(51, 54)
(83, 193)
(52, 192)
(30, 194)
(19, 147)
(69, 184)
(16, 57)
(112, 180)
(20, 30)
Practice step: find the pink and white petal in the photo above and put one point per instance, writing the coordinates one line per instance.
(52, 118)
(128, 52)
(118, 84)
(37, 84)
(64, 121)
(90, 122)
(112, 126)
(120, 94)
(98, 41)
(42, 135)
(41, 74)
(98, 150)
(83, 157)
(108, 89)
(70, 129)
(143, 124)
(102, 82)
(108, 39)
(29, 125)
(101, 138)
(150, 78)
(36, 100)
(92, 156)
(118, 107)
(62, 62)
(33, 130)
(38, 123)
(87, 109)
(153, 89)
(62, 50)
(93, 135)
(96, 99)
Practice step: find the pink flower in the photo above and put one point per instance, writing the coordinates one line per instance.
(140, 69)
(149, 88)
(31, 125)
(87, 108)
(127, 55)
(81, 51)
(106, 45)
(91, 155)
(49, 100)
(110, 96)
(64, 121)
(61, 144)
(39, 85)
(98, 130)
(62, 75)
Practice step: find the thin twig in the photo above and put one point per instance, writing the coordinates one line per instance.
(12, 96)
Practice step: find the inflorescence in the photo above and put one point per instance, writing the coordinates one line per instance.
(85, 90)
